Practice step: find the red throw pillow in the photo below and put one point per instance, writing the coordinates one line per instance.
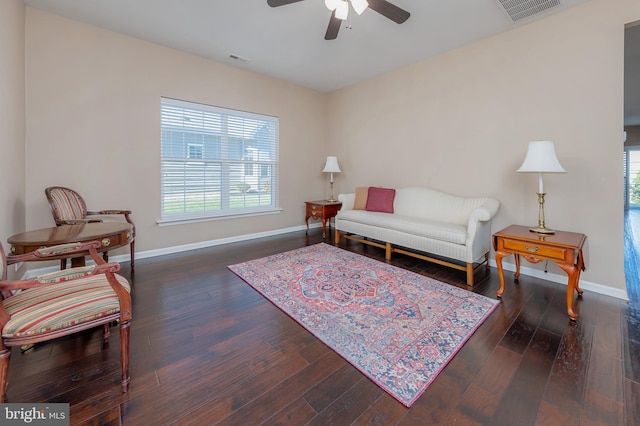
(380, 199)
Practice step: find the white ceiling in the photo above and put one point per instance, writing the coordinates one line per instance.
(287, 42)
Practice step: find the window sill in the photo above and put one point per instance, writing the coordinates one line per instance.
(184, 220)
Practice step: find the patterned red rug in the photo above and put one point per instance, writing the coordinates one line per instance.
(397, 327)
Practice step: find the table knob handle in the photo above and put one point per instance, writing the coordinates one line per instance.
(532, 249)
(106, 242)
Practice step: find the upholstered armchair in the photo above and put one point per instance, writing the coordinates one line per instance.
(69, 208)
(61, 303)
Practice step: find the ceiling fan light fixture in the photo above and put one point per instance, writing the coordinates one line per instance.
(331, 4)
(342, 10)
(359, 6)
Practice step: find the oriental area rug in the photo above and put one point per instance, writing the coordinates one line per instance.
(397, 327)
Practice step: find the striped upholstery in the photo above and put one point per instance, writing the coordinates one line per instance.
(68, 204)
(66, 274)
(46, 309)
(57, 250)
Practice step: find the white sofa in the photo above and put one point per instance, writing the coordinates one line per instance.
(425, 221)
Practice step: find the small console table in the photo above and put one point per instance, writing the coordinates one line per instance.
(566, 249)
(323, 210)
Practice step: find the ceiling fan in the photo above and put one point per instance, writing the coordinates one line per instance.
(340, 11)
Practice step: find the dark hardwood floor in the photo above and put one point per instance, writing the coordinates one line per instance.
(208, 349)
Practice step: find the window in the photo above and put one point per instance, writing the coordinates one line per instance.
(632, 177)
(216, 161)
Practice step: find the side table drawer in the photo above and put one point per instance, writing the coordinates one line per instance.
(533, 249)
(115, 240)
(315, 211)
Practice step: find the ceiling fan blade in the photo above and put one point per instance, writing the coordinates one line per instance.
(276, 3)
(391, 11)
(333, 27)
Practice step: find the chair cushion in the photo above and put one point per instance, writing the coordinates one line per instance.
(67, 203)
(46, 309)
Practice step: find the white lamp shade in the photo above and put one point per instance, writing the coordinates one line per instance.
(342, 10)
(332, 165)
(359, 6)
(541, 158)
(331, 4)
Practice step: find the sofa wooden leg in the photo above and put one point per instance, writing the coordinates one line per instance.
(469, 273)
(387, 253)
(337, 238)
(486, 260)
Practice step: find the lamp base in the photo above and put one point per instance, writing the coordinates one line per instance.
(331, 200)
(542, 230)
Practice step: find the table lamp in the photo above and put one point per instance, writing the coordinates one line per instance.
(331, 167)
(541, 158)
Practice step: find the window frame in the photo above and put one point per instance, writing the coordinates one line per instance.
(206, 153)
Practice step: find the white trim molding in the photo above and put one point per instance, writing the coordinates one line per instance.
(562, 279)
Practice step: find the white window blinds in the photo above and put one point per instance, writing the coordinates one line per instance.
(216, 161)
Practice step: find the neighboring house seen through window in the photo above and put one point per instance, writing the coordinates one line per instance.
(216, 161)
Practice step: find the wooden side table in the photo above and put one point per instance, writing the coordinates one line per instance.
(110, 234)
(323, 210)
(563, 248)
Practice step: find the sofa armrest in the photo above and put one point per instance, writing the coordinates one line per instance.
(347, 200)
(483, 213)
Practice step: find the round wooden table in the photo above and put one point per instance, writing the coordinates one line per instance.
(110, 234)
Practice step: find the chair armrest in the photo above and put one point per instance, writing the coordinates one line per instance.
(56, 277)
(124, 212)
(75, 273)
(57, 251)
(77, 221)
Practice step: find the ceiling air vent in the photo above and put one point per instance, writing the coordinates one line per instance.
(518, 10)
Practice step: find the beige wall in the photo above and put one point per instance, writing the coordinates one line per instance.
(460, 122)
(93, 120)
(12, 117)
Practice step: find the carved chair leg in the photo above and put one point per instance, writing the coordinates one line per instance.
(132, 254)
(5, 355)
(124, 354)
(106, 335)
